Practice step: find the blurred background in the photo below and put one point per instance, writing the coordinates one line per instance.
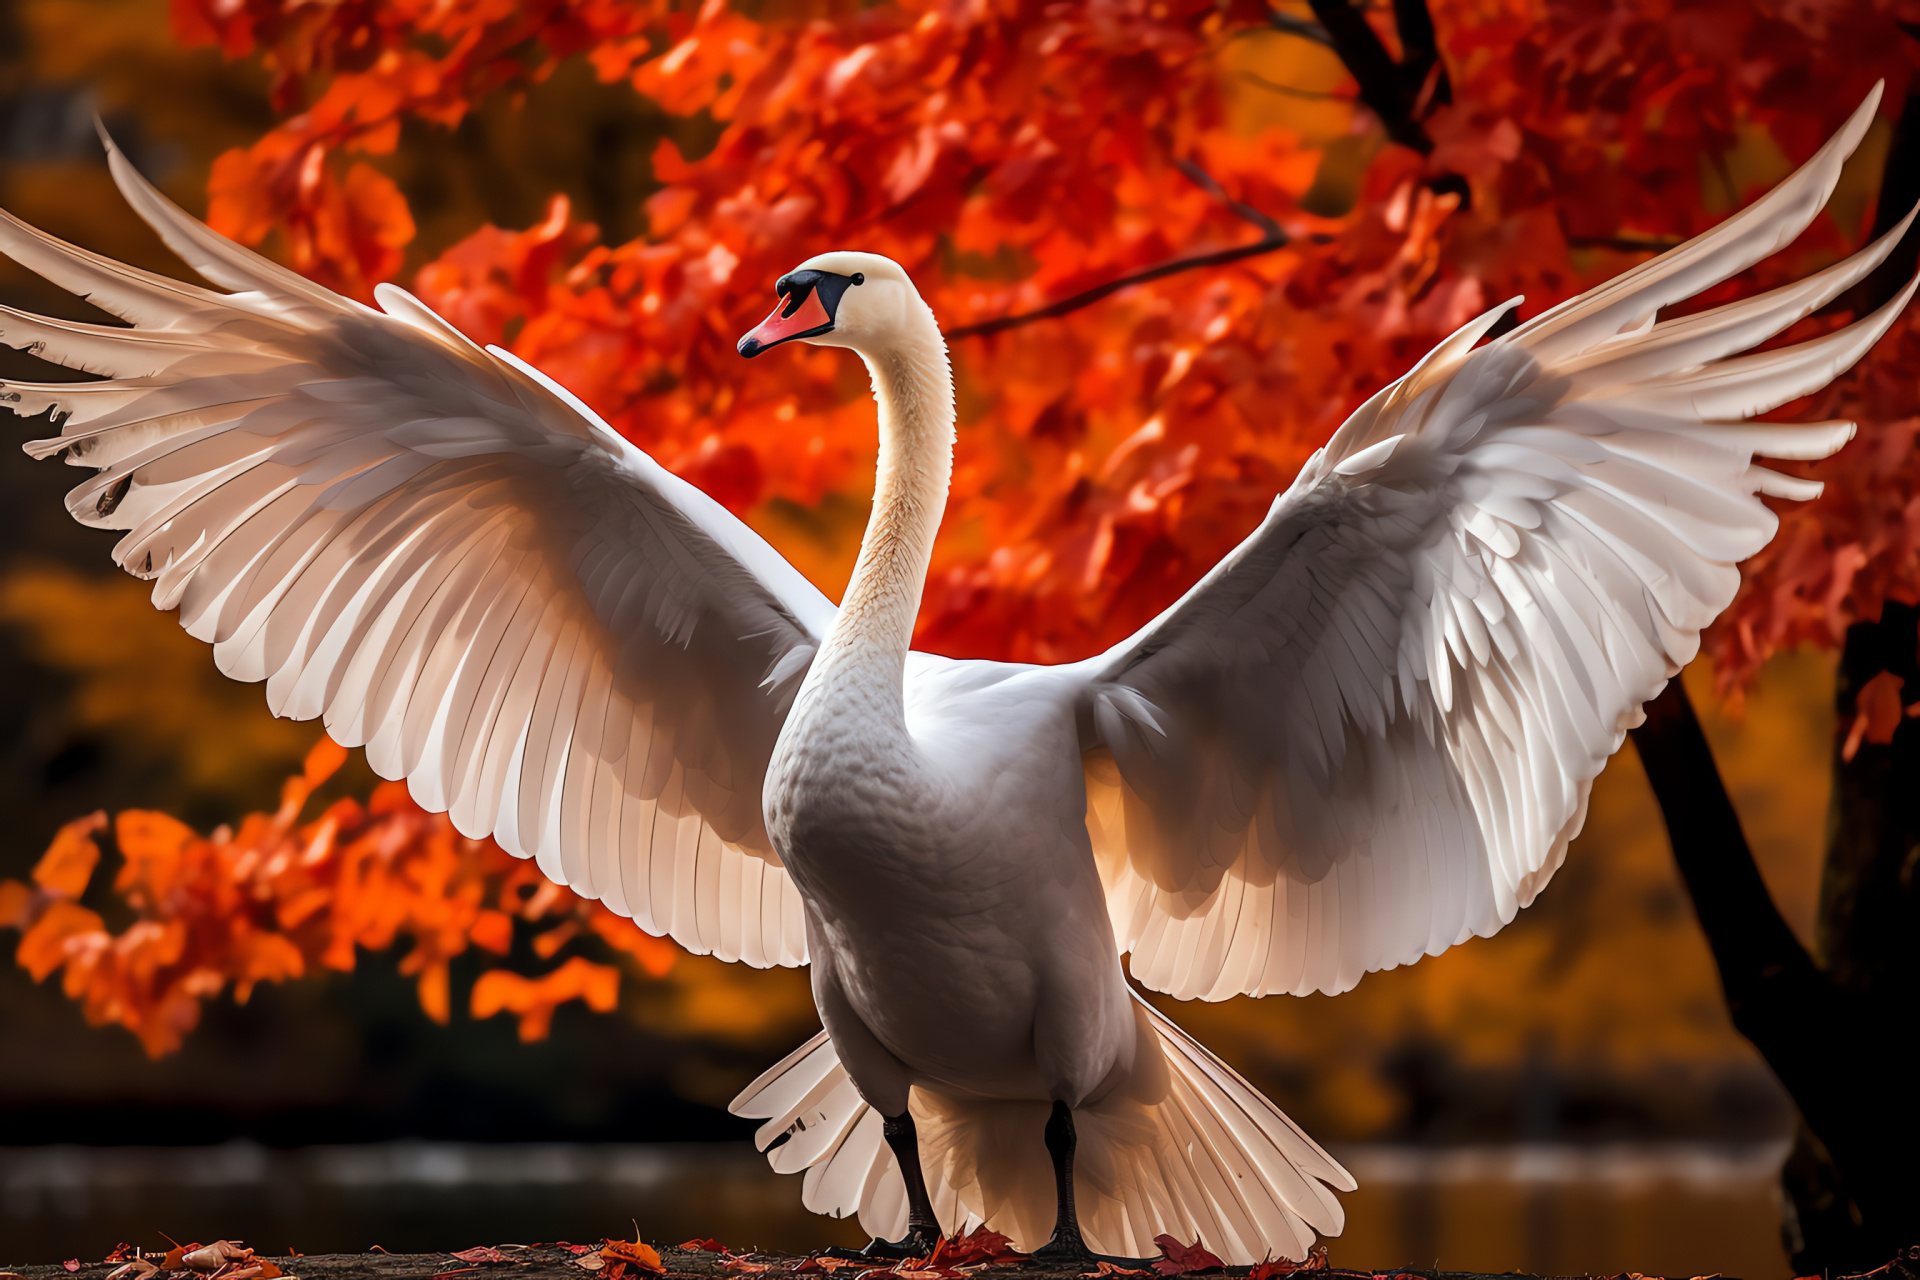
(1567, 1096)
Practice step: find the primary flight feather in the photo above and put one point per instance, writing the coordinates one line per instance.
(1365, 736)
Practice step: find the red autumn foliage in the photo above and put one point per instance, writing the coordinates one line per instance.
(1272, 1267)
(1012, 153)
(1178, 1259)
(976, 1247)
(633, 1253)
(276, 899)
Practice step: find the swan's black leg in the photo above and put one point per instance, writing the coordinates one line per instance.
(1067, 1243)
(923, 1229)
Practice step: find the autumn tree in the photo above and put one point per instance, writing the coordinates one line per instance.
(1174, 243)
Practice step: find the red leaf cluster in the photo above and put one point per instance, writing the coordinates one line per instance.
(277, 898)
(1178, 1259)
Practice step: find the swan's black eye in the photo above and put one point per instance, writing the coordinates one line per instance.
(859, 277)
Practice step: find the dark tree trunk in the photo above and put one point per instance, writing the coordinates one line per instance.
(1835, 1035)
(1837, 1047)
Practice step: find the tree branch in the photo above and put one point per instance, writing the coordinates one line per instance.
(1400, 93)
(1274, 86)
(1755, 950)
(1625, 244)
(1274, 236)
(1899, 192)
(1287, 24)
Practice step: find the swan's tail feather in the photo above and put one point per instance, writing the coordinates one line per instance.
(1188, 1148)
(818, 1124)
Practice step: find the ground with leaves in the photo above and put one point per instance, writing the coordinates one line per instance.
(707, 1259)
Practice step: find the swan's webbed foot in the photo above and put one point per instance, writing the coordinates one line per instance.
(1074, 1248)
(923, 1228)
(917, 1243)
(1067, 1244)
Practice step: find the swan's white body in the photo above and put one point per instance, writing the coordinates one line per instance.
(1364, 737)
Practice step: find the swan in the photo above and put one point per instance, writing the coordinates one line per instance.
(1365, 736)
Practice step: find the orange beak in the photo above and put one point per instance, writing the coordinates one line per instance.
(806, 318)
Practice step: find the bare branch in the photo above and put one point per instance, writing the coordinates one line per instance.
(1274, 86)
(1090, 296)
(1287, 24)
(1625, 244)
(1204, 180)
(1274, 237)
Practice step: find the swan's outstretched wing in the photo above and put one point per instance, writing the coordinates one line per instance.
(449, 559)
(1369, 733)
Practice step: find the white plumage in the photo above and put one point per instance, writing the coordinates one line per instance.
(1367, 735)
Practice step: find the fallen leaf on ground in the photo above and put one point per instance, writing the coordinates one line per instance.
(640, 1255)
(1178, 1259)
(214, 1256)
(744, 1267)
(979, 1245)
(592, 1261)
(1316, 1261)
(122, 1252)
(480, 1253)
(705, 1246)
(137, 1269)
(71, 1264)
(258, 1269)
(815, 1265)
(1110, 1269)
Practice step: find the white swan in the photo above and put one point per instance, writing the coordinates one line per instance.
(1365, 736)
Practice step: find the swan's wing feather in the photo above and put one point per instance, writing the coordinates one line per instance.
(1369, 733)
(449, 559)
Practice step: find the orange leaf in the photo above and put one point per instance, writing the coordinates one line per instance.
(153, 845)
(640, 1255)
(1877, 713)
(43, 948)
(656, 956)
(492, 930)
(535, 999)
(323, 761)
(67, 865)
(434, 997)
(265, 957)
(14, 901)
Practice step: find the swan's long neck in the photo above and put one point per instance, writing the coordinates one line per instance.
(913, 384)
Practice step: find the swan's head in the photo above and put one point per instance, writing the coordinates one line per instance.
(857, 300)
